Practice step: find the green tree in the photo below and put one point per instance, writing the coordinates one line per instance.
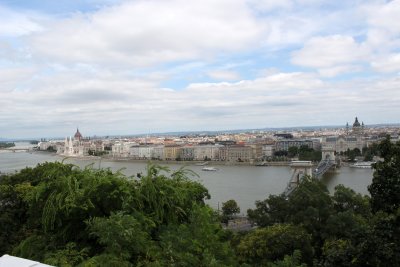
(307, 153)
(339, 252)
(293, 151)
(66, 216)
(385, 187)
(200, 242)
(229, 209)
(345, 199)
(274, 209)
(123, 235)
(293, 260)
(266, 245)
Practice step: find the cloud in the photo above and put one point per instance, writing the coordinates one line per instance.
(331, 55)
(224, 75)
(145, 66)
(389, 63)
(143, 33)
(17, 24)
(269, 5)
(113, 103)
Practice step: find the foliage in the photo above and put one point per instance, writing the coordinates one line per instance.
(280, 153)
(385, 187)
(272, 243)
(6, 145)
(290, 261)
(346, 229)
(293, 151)
(307, 153)
(51, 149)
(274, 209)
(229, 208)
(197, 243)
(66, 216)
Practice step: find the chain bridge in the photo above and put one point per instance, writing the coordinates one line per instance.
(303, 168)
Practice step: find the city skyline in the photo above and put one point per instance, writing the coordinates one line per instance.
(133, 67)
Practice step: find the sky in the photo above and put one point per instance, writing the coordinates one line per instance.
(116, 67)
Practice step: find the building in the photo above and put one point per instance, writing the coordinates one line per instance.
(206, 152)
(268, 151)
(357, 129)
(145, 151)
(171, 152)
(343, 143)
(122, 149)
(239, 153)
(187, 152)
(157, 152)
(76, 146)
(283, 145)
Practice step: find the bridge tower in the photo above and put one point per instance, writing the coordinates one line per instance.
(299, 170)
(328, 153)
(327, 162)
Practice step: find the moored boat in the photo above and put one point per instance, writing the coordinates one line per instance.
(363, 165)
(210, 169)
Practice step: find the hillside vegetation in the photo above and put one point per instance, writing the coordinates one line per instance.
(63, 215)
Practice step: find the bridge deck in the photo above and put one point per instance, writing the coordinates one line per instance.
(323, 167)
(318, 172)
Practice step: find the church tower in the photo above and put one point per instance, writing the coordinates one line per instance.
(356, 127)
(78, 135)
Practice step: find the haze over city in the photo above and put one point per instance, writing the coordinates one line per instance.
(129, 67)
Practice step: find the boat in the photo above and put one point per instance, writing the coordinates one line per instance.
(201, 163)
(261, 164)
(209, 169)
(363, 165)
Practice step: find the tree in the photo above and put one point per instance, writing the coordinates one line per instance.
(66, 216)
(197, 243)
(385, 187)
(307, 153)
(229, 208)
(339, 252)
(270, 244)
(345, 199)
(293, 151)
(274, 209)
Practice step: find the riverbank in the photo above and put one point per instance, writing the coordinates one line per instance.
(190, 162)
(243, 182)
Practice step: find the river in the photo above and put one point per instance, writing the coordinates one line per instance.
(245, 184)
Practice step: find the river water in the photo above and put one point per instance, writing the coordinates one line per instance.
(245, 184)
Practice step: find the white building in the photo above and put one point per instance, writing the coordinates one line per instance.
(268, 150)
(206, 152)
(157, 152)
(122, 149)
(134, 151)
(145, 152)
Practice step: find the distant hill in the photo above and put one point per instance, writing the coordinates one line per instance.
(216, 132)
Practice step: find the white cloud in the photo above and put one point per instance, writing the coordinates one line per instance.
(331, 55)
(224, 75)
(337, 70)
(107, 70)
(141, 33)
(269, 5)
(388, 63)
(108, 103)
(17, 24)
